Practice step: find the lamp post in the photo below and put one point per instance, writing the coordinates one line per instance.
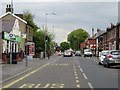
(77, 43)
(46, 31)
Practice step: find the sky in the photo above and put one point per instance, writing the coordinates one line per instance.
(70, 15)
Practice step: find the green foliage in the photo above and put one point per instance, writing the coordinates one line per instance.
(27, 15)
(64, 46)
(39, 40)
(76, 37)
(38, 36)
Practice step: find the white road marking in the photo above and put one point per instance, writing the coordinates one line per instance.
(77, 81)
(85, 76)
(90, 85)
(81, 70)
(78, 86)
(76, 77)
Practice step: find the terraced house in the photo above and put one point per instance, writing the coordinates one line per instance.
(110, 40)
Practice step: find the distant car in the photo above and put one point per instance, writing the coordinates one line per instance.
(77, 53)
(67, 54)
(87, 53)
(102, 56)
(113, 58)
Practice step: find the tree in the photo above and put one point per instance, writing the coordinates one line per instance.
(64, 46)
(39, 40)
(38, 33)
(76, 37)
(27, 15)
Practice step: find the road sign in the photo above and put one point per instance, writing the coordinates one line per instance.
(10, 35)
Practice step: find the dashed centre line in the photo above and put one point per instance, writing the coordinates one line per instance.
(76, 77)
(89, 84)
(85, 76)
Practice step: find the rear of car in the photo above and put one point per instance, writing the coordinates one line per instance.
(88, 53)
(67, 54)
(102, 56)
(112, 59)
(77, 53)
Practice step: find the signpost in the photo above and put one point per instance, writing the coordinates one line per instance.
(10, 35)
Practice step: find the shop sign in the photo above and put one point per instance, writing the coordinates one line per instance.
(12, 37)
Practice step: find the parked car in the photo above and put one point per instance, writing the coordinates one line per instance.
(77, 53)
(113, 58)
(67, 54)
(102, 55)
(87, 53)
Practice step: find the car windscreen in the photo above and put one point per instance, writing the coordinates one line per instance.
(115, 52)
(77, 52)
(104, 53)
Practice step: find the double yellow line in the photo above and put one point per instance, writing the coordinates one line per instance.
(14, 82)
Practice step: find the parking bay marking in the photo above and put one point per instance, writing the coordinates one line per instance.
(48, 85)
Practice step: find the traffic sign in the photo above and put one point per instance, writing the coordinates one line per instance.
(10, 35)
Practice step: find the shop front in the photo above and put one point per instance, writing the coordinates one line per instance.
(10, 44)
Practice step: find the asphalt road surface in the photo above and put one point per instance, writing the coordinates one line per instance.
(68, 72)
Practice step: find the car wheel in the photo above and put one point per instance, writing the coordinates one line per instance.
(107, 65)
(104, 64)
(99, 63)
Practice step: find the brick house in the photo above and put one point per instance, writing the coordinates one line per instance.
(110, 40)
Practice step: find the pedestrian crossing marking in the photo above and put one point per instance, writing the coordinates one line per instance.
(48, 85)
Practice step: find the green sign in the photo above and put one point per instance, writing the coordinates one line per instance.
(15, 38)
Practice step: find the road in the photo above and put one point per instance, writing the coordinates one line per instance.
(67, 72)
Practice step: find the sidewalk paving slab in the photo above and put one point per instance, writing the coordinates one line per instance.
(10, 70)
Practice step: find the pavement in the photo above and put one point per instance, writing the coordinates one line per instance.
(9, 71)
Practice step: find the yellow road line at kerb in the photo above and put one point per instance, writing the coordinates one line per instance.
(14, 82)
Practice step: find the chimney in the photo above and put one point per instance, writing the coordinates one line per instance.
(92, 31)
(9, 8)
(98, 30)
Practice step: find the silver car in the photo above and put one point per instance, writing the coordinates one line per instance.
(113, 58)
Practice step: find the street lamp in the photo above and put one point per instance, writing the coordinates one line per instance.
(77, 43)
(46, 30)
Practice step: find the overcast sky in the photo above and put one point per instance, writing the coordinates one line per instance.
(69, 15)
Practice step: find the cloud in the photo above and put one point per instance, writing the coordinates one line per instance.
(61, 1)
(71, 15)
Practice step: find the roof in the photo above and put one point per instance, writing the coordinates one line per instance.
(100, 33)
(13, 16)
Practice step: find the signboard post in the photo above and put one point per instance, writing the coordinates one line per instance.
(10, 35)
